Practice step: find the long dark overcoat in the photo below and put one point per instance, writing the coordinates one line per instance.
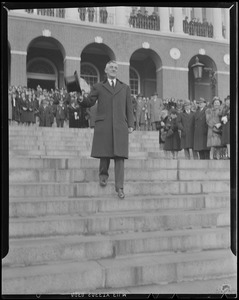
(114, 115)
(185, 123)
(200, 131)
(172, 143)
(212, 118)
(226, 127)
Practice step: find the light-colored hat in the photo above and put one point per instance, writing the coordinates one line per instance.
(187, 103)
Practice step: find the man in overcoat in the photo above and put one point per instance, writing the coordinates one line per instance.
(185, 123)
(156, 106)
(114, 121)
(200, 130)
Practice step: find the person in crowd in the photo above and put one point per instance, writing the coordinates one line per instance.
(156, 106)
(200, 130)
(147, 114)
(205, 27)
(23, 109)
(113, 123)
(172, 140)
(35, 106)
(45, 114)
(82, 13)
(134, 103)
(91, 14)
(15, 103)
(225, 120)
(30, 109)
(73, 113)
(161, 128)
(60, 113)
(214, 128)
(154, 21)
(10, 106)
(185, 122)
(140, 118)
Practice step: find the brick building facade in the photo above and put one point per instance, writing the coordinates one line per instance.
(46, 46)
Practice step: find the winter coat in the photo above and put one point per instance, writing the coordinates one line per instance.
(73, 116)
(140, 112)
(172, 142)
(185, 123)
(200, 130)
(46, 116)
(212, 118)
(114, 116)
(16, 110)
(226, 127)
(155, 109)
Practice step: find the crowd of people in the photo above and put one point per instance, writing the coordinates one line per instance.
(199, 127)
(44, 108)
(139, 19)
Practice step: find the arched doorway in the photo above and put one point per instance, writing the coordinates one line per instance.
(144, 63)
(206, 86)
(45, 66)
(94, 58)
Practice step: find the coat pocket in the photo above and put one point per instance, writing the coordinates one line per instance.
(99, 118)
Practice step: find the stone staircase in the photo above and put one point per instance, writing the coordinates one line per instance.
(69, 235)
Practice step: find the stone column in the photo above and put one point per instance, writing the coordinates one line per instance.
(120, 14)
(164, 19)
(227, 21)
(72, 13)
(18, 68)
(178, 20)
(217, 23)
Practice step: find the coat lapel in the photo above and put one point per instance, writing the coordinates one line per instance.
(112, 90)
(108, 86)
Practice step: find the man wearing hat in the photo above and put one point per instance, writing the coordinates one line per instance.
(113, 122)
(156, 106)
(200, 130)
(185, 123)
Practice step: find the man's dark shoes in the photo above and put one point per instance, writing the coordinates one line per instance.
(103, 182)
(121, 194)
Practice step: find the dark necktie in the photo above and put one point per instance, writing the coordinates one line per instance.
(112, 83)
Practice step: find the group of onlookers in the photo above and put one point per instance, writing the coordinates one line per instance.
(196, 27)
(42, 107)
(90, 11)
(139, 19)
(200, 128)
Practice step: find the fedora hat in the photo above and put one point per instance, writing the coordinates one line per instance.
(72, 83)
(201, 100)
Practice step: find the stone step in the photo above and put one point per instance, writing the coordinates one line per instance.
(142, 164)
(35, 207)
(34, 251)
(117, 273)
(105, 223)
(90, 174)
(92, 189)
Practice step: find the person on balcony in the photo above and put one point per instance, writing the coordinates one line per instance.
(185, 25)
(82, 13)
(146, 20)
(205, 27)
(139, 20)
(133, 18)
(91, 14)
(171, 22)
(103, 15)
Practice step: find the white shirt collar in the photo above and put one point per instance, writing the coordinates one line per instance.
(110, 81)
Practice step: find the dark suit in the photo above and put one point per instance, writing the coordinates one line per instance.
(114, 115)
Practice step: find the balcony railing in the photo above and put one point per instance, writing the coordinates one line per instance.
(149, 22)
